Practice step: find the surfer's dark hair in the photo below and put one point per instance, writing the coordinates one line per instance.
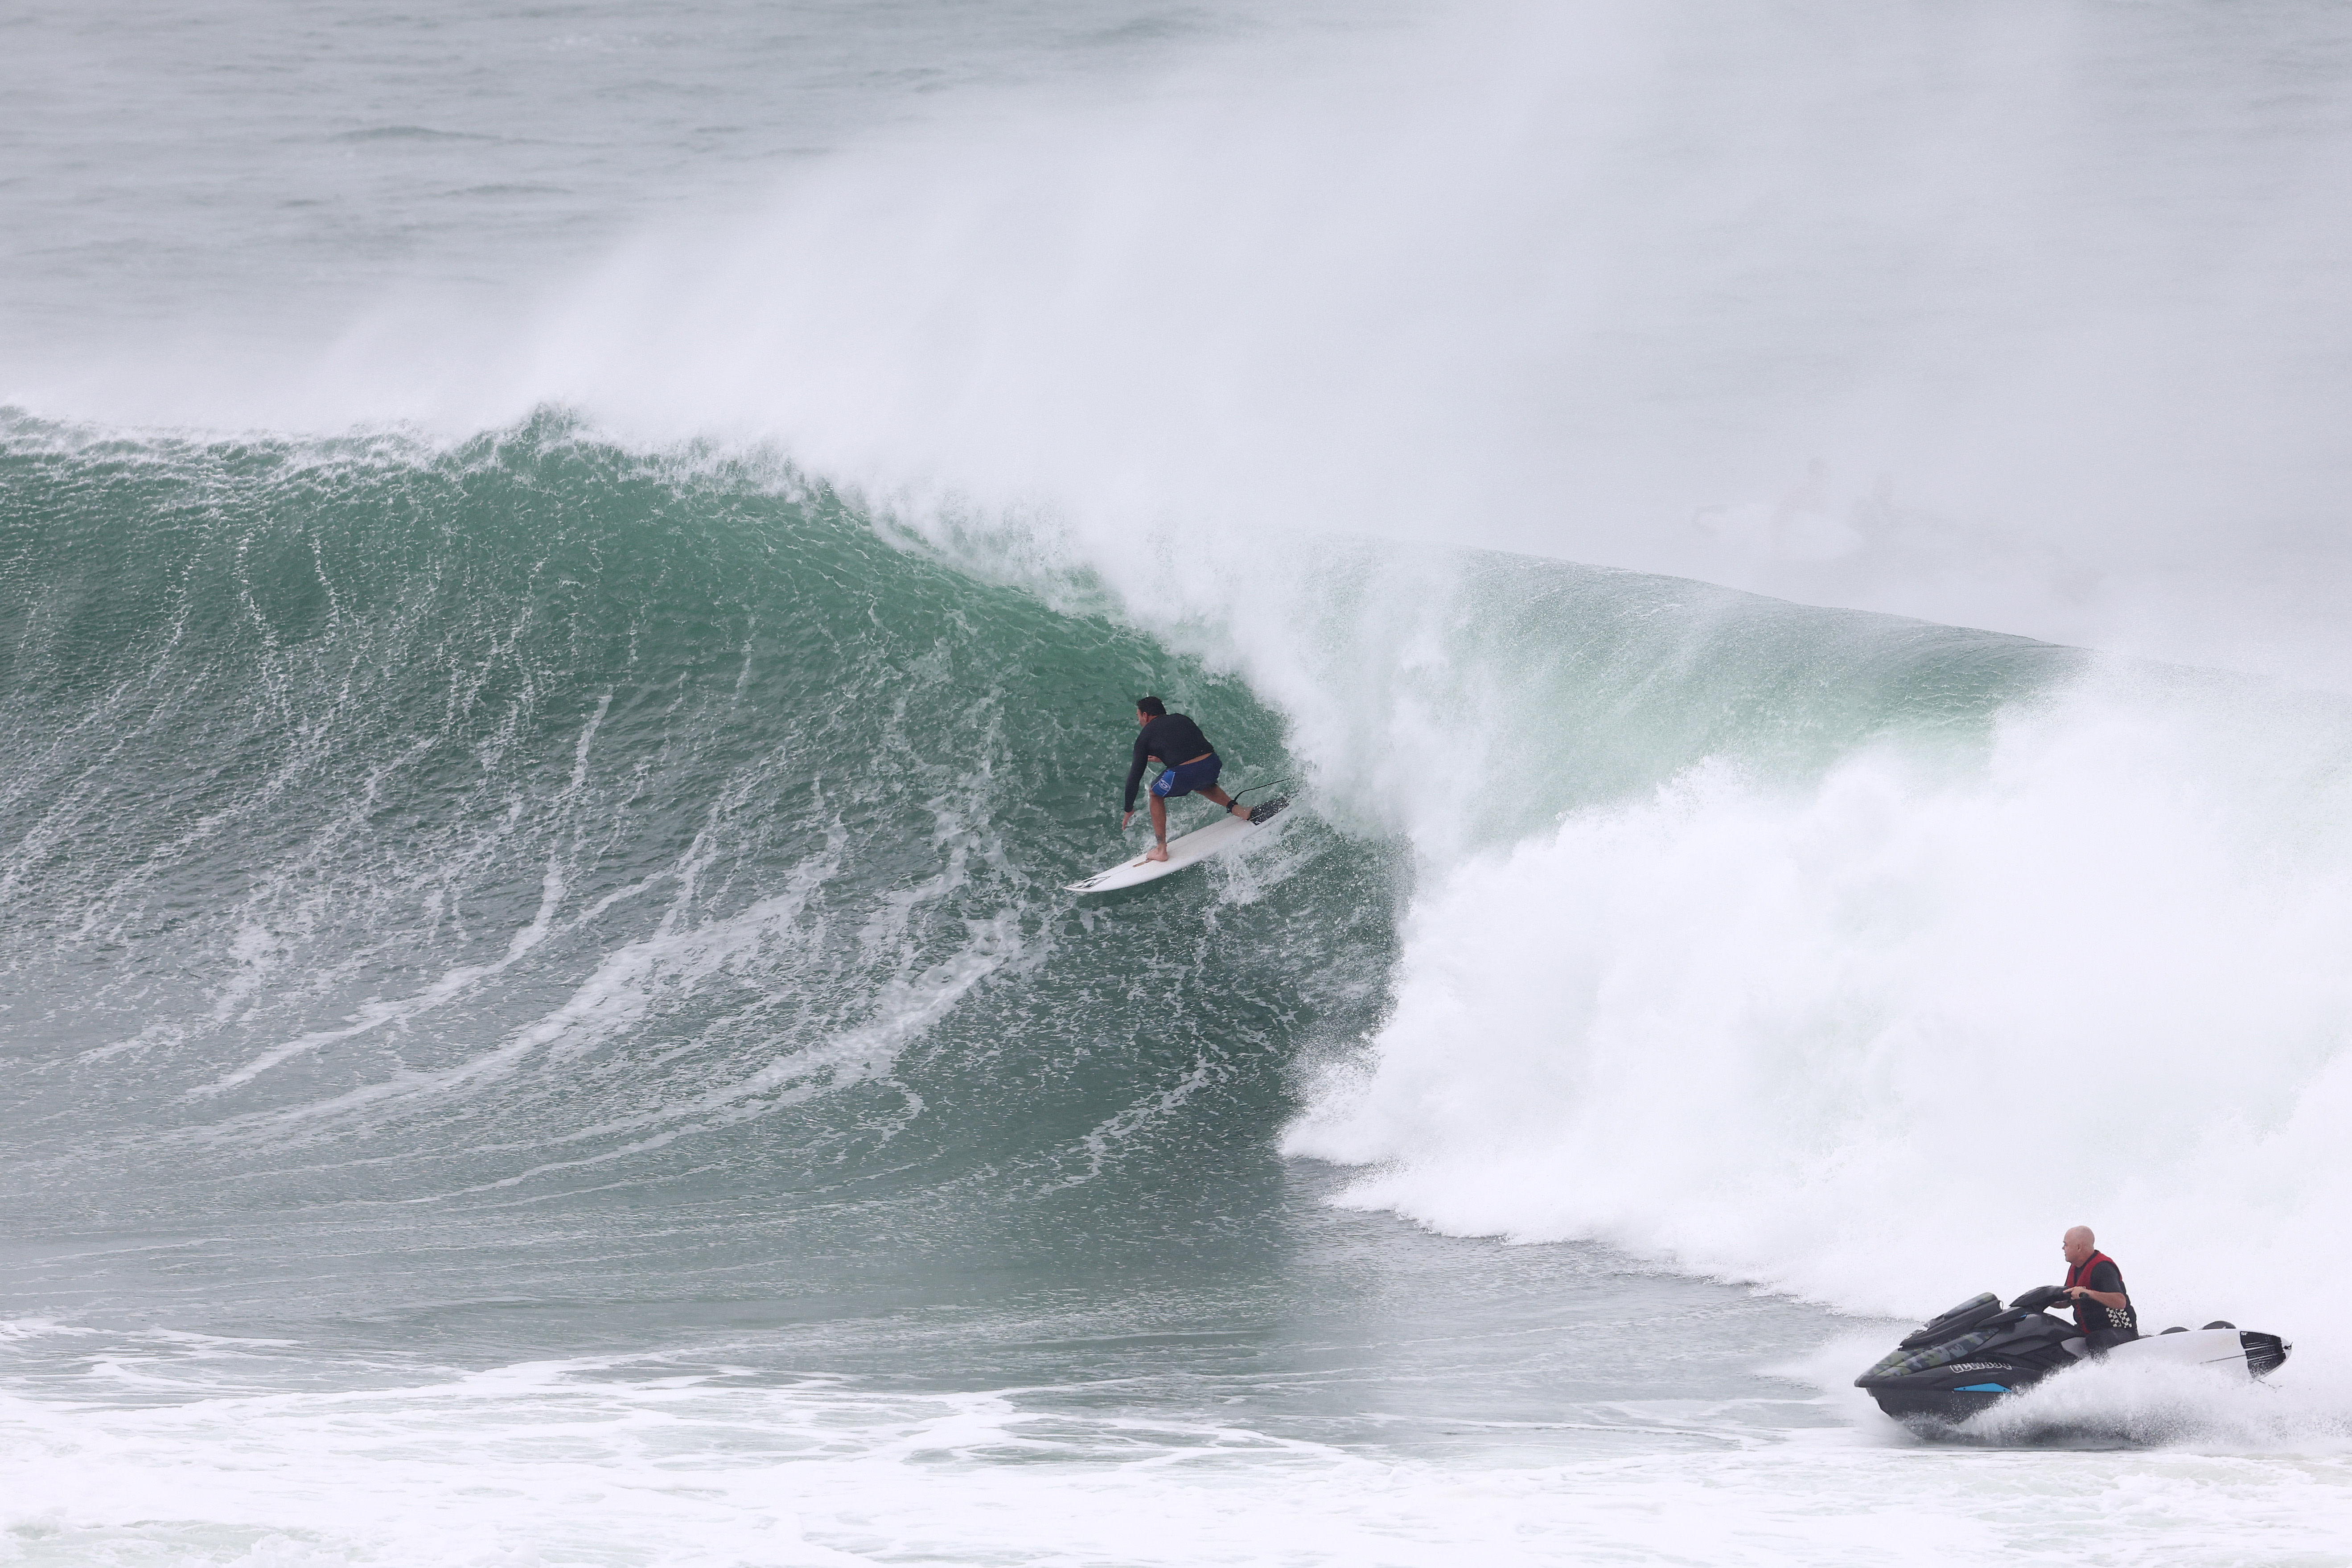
(1151, 705)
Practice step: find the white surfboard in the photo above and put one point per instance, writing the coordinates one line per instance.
(1190, 849)
(2223, 1348)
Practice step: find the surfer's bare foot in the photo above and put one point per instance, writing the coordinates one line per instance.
(1157, 852)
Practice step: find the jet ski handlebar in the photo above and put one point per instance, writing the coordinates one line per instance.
(2040, 1298)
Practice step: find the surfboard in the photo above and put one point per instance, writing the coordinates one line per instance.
(1187, 850)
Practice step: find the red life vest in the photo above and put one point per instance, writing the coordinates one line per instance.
(2076, 1275)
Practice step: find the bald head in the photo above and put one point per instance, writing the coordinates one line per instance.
(2079, 1243)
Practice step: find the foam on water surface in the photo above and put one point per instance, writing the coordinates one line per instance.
(557, 1463)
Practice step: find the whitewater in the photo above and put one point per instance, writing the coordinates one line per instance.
(575, 581)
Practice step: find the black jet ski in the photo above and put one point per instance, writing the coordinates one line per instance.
(1979, 1353)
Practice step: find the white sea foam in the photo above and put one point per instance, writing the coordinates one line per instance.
(2154, 1405)
(577, 1462)
(1880, 1038)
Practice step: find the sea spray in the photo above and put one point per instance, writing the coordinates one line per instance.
(1878, 1038)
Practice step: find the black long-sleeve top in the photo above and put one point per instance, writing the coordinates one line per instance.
(1171, 737)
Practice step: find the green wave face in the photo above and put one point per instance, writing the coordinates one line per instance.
(420, 840)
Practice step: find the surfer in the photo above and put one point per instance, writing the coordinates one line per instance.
(1190, 762)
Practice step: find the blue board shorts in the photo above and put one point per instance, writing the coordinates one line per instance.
(1186, 777)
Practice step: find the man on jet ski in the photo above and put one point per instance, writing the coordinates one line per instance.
(2103, 1310)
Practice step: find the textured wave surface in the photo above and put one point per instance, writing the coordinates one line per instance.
(539, 1020)
(473, 905)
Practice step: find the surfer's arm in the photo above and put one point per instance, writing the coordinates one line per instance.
(1135, 774)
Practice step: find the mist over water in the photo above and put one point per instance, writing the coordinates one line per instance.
(2023, 317)
(573, 585)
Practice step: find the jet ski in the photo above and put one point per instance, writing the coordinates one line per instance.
(1979, 1353)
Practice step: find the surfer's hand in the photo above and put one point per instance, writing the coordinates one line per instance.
(1125, 820)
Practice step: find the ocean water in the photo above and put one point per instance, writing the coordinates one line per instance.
(573, 579)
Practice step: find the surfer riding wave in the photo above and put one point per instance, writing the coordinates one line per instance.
(1190, 764)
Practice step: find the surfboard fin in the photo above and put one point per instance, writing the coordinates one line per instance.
(1260, 812)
